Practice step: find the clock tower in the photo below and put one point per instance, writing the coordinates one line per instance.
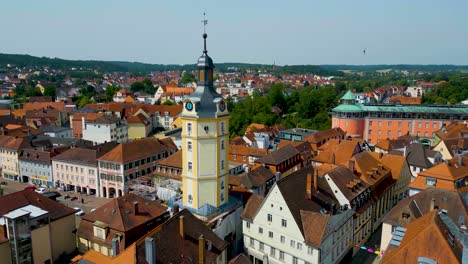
(205, 135)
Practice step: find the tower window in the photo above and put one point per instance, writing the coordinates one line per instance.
(190, 166)
(206, 129)
(190, 198)
(189, 128)
(222, 164)
(222, 144)
(201, 75)
(222, 127)
(189, 146)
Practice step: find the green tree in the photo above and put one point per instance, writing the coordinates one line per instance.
(187, 77)
(50, 91)
(168, 102)
(84, 100)
(137, 86)
(110, 91)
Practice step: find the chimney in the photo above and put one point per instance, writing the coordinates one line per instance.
(431, 208)
(83, 123)
(351, 165)
(309, 186)
(315, 179)
(405, 151)
(460, 160)
(150, 250)
(277, 176)
(115, 246)
(181, 227)
(175, 209)
(135, 207)
(201, 249)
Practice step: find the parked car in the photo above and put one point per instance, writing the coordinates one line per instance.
(30, 187)
(40, 190)
(79, 212)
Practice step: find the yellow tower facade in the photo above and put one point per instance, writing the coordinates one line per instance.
(205, 142)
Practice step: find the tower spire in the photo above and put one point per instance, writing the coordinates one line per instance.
(205, 22)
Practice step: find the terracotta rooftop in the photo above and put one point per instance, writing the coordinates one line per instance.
(138, 149)
(120, 216)
(86, 156)
(453, 130)
(449, 170)
(13, 143)
(247, 151)
(413, 207)
(279, 156)
(182, 250)
(405, 100)
(427, 237)
(44, 105)
(325, 135)
(252, 206)
(240, 259)
(23, 198)
(256, 177)
(173, 161)
(338, 151)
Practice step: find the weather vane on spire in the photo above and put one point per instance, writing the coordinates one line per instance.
(205, 22)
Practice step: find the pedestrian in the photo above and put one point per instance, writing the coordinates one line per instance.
(82, 200)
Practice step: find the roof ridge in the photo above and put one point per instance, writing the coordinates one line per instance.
(119, 212)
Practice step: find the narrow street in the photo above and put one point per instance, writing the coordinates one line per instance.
(364, 257)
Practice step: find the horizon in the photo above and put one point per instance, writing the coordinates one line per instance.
(230, 62)
(292, 33)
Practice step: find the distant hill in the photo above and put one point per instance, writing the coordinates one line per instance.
(124, 66)
(397, 67)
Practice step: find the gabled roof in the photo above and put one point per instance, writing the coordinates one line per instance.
(13, 143)
(338, 151)
(119, 213)
(173, 161)
(342, 176)
(23, 198)
(252, 206)
(325, 135)
(417, 156)
(394, 162)
(182, 250)
(87, 156)
(44, 105)
(419, 204)
(449, 170)
(247, 151)
(453, 130)
(279, 156)
(425, 237)
(137, 149)
(256, 177)
(240, 259)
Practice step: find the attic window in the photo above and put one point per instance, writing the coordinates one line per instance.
(206, 129)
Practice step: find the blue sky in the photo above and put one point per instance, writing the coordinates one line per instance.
(255, 31)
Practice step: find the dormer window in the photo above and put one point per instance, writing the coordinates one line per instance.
(100, 230)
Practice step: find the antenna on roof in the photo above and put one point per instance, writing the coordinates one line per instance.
(205, 22)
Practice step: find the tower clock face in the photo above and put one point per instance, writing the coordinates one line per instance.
(222, 106)
(189, 106)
